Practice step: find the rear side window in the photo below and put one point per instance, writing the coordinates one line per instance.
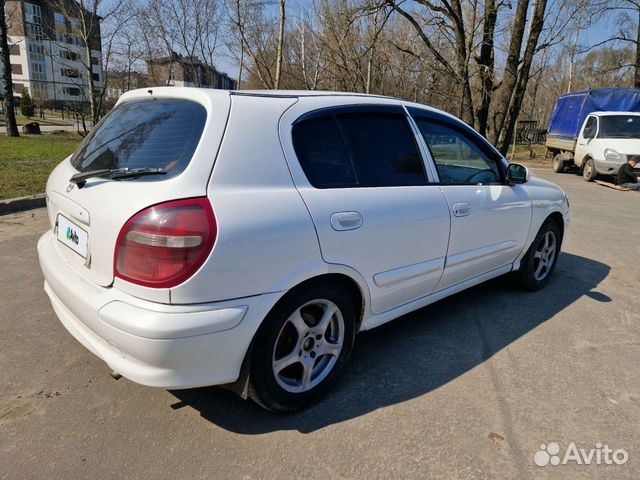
(358, 149)
(323, 154)
(154, 133)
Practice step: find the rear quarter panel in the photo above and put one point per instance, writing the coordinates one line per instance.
(266, 241)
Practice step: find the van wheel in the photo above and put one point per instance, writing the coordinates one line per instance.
(589, 171)
(540, 260)
(558, 163)
(301, 348)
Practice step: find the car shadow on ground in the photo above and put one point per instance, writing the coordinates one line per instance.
(417, 353)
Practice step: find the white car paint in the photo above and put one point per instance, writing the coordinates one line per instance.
(595, 147)
(406, 249)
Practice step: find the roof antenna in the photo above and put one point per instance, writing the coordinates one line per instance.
(150, 92)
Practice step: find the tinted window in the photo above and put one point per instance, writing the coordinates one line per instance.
(323, 154)
(458, 159)
(358, 149)
(383, 149)
(158, 133)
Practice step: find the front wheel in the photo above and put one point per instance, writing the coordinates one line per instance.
(302, 347)
(540, 260)
(589, 171)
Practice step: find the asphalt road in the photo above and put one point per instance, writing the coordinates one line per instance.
(467, 388)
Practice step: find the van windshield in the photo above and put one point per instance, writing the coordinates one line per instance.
(619, 126)
(150, 133)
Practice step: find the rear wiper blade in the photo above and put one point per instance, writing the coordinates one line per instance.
(81, 178)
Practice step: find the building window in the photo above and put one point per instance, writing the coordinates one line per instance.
(18, 87)
(33, 13)
(35, 32)
(68, 55)
(36, 53)
(96, 77)
(71, 91)
(59, 18)
(39, 90)
(70, 72)
(94, 61)
(38, 71)
(14, 50)
(16, 69)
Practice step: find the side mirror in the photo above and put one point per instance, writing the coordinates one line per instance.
(517, 174)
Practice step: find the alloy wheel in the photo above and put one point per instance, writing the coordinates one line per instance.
(308, 346)
(544, 256)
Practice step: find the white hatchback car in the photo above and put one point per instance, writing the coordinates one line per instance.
(202, 237)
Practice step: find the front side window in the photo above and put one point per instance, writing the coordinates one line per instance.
(590, 128)
(458, 159)
(156, 133)
(352, 148)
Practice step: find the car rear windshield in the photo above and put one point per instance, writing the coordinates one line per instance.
(149, 133)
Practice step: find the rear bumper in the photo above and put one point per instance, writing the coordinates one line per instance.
(168, 346)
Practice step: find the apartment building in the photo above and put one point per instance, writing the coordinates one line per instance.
(184, 71)
(47, 52)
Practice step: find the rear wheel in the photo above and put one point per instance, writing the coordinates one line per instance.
(558, 163)
(302, 347)
(589, 171)
(541, 258)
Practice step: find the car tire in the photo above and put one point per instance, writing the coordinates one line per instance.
(541, 259)
(589, 171)
(302, 347)
(558, 163)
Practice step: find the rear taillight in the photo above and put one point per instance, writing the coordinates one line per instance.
(164, 245)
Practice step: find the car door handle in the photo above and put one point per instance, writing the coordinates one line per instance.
(461, 209)
(346, 221)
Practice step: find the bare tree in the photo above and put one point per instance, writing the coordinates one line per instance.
(447, 19)
(9, 108)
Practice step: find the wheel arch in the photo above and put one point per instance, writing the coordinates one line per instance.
(559, 220)
(585, 159)
(356, 291)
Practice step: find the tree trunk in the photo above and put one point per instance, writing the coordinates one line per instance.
(486, 65)
(240, 71)
(636, 81)
(510, 75)
(462, 63)
(10, 113)
(537, 22)
(280, 45)
(95, 113)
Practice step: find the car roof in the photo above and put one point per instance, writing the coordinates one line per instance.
(253, 93)
(604, 114)
(341, 97)
(302, 93)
